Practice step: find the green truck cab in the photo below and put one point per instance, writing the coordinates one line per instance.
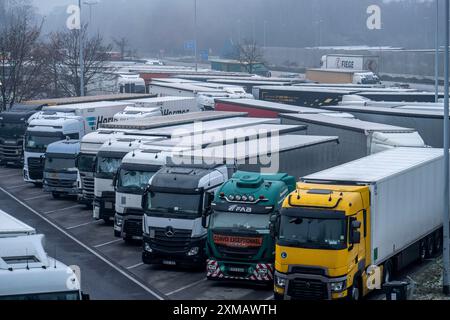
(240, 245)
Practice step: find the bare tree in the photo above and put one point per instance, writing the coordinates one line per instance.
(21, 56)
(122, 44)
(249, 53)
(64, 69)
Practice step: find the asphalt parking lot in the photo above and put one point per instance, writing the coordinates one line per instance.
(110, 268)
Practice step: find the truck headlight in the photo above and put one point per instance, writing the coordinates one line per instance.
(280, 281)
(147, 247)
(338, 286)
(119, 221)
(194, 251)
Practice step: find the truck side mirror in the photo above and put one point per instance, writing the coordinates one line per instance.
(356, 224)
(85, 296)
(355, 237)
(115, 177)
(144, 202)
(273, 226)
(205, 220)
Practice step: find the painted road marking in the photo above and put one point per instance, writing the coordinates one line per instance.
(135, 266)
(269, 298)
(37, 197)
(82, 225)
(18, 186)
(107, 243)
(186, 287)
(67, 208)
(92, 251)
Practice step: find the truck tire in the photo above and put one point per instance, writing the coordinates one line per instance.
(430, 247)
(437, 242)
(277, 297)
(422, 250)
(387, 271)
(37, 184)
(56, 195)
(355, 293)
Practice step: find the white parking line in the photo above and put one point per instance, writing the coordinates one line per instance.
(106, 243)
(38, 197)
(10, 175)
(89, 249)
(67, 208)
(135, 266)
(18, 186)
(186, 287)
(82, 225)
(269, 298)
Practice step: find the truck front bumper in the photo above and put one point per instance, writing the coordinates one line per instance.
(104, 208)
(255, 272)
(128, 225)
(62, 191)
(190, 254)
(297, 286)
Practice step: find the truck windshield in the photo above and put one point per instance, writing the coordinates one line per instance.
(59, 164)
(108, 166)
(242, 221)
(133, 180)
(313, 233)
(61, 296)
(39, 141)
(12, 130)
(174, 203)
(86, 163)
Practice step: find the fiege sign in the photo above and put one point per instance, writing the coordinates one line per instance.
(237, 242)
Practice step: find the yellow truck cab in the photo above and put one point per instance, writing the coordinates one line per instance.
(345, 230)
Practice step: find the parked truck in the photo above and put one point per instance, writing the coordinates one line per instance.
(28, 273)
(342, 76)
(239, 244)
(13, 124)
(108, 161)
(61, 176)
(140, 165)
(350, 62)
(58, 123)
(346, 230)
(357, 138)
(92, 142)
(177, 201)
(12, 227)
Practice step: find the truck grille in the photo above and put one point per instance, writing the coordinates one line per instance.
(12, 152)
(238, 253)
(57, 183)
(87, 184)
(133, 228)
(35, 168)
(305, 289)
(179, 242)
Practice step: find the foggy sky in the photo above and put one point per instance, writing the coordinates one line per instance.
(154, 25)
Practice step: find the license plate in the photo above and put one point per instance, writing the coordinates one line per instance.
(169, 262)
(234, 269)
(108, 205)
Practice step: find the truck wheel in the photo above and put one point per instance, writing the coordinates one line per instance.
(355, 293)
(107, 221)
(37, 184)
(430, 247)
(438, 242)
(56, 195)
(277, 297)
(387, 271)
(422, 250)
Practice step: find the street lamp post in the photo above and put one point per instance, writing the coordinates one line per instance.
(436, 55)
(81, 54)
(195, 36)
(90, 3)
(265, 33)
(446, 213)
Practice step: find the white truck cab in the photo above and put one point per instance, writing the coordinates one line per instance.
(41, 132)
(28, 273)
(12, 227)
(108, 161)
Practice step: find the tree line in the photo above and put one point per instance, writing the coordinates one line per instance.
(35, 65)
